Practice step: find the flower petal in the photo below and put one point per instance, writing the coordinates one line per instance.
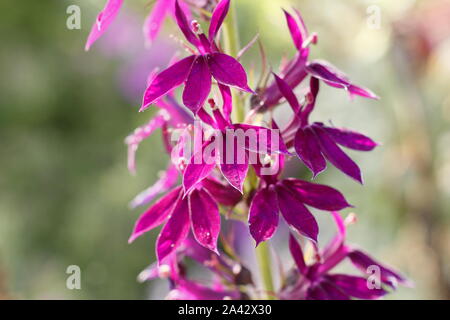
(198, 85)
(104, 19)
(235, 174)
(263, 218)
(184, 26)
(228, 71)
(167, 80)
(336, 156)
(336, 78)
(223, 194)
(164, 183)
(317, 195)
(155, 20)
(288, 93)
(355, 286)
(205, 218)
(175, 231)
(268, 141)
(326, 291)
(156, 214)
(227, 101)
(308, 150)
(218, 16)
(296, 33)
(296, 214)
(297, 254)
(199, 167)
(363, 261)
(351, 139)
(141, 133)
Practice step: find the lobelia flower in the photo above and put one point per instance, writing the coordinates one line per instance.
(152, 24)
(222, 267)
(315, 143)
(315, 282)
(197, 210)
(296, 70)
(290, 197)
(233, 146)
(197, 70)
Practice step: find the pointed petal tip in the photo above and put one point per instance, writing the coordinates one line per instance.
(131, 238)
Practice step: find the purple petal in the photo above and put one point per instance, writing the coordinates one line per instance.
(205, 218)
(295, 31)
(198, 169)
(263, 218)
(227, 101)
(296, 214)
(184, 25)
(235, 174)
(175, 231)
(155, 19)
(336, 156)
(297, 254)
(317, 195)
(164, 183)
(223, 194)
(363, 92)
(104, 19)
(141, 133)
(308, 150)
(333, 292)
(326, 291)
(316, 293)
(355, 286)
(218, 16)
(156, 214)
(228, 71)
(363, 261)
(167, 80)
(268, 141)
(351, 139)
(234, 162)
(287, 92)
(336, 78)
(198, 85)
(190, 290)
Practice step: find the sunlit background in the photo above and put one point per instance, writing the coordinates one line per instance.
(64, 113)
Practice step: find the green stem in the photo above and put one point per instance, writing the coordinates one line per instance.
(264, 261)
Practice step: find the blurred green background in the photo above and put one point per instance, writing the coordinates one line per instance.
(64, 113)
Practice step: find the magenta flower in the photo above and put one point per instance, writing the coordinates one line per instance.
(104, 19)
(197, 210)
(155, 19)
(315, 282)
(290, 197)
(197, 70)
(152, 24)
(232, 154)
(234, 166)
(296, 70)
(183, 288)
(315, 143)
(333, 77)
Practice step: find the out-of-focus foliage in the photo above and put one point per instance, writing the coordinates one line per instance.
(64, 114)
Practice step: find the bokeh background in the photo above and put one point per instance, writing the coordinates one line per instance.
(64, 113)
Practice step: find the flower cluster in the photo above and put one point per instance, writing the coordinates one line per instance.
(231, 166)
